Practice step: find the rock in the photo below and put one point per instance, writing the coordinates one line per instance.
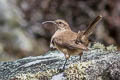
(96, 64)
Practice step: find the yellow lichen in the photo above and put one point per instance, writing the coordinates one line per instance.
(102, 47)
(111, 48)
(77, 71)
(98, 46)
(46, 75)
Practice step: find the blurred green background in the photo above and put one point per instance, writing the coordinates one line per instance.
(22, 34)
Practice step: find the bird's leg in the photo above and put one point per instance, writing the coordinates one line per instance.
(80, 58)
(64, 64)
(66, 59)
(80, 55)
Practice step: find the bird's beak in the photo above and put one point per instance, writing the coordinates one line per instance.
(49, 22)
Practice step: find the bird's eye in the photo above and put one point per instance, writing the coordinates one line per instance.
(60, 22)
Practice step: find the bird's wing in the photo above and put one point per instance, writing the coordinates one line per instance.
(69, 44)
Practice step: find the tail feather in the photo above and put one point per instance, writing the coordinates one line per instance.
(83, 35)
(92, 26)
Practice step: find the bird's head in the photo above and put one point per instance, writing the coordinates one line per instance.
(61, 24)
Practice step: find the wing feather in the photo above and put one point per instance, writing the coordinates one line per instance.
(68, 44)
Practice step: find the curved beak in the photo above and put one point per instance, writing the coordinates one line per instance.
(49, 22)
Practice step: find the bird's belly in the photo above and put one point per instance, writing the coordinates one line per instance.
(68, 51)
(75, 52)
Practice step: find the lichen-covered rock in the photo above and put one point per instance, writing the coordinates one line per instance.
(96, 64)
(45, 75)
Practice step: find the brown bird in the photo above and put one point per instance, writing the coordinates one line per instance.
(69, 42)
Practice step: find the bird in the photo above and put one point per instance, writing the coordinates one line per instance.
(69, 42)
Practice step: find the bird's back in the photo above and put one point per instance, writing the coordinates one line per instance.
(66, 39)
(66, 35)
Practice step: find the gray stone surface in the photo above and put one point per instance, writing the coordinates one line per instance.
(96, 64)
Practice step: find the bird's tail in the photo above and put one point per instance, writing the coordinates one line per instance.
(83, 36)
(91, 26)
